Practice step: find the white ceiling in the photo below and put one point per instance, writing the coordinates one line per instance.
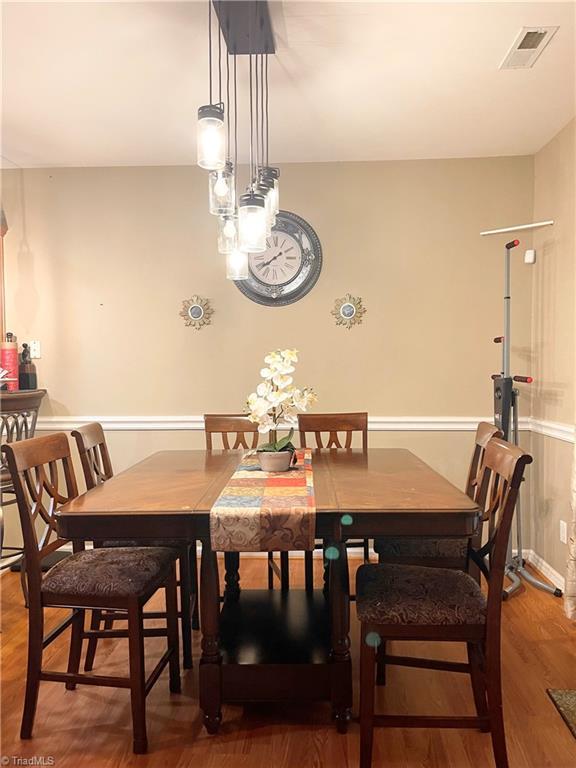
(88, 84)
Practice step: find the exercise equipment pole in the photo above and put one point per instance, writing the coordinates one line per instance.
(506, 417)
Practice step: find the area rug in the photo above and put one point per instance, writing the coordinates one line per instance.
(565, 701)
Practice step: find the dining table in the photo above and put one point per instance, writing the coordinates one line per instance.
(274, 644)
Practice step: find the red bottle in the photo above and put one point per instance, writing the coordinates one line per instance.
(9, 361)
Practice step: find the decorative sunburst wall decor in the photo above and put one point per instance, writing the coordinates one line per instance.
(197, 312)
(349, 311)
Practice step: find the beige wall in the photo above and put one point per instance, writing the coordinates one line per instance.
(553, 340)
(99, 260)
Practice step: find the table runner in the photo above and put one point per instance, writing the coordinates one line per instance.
(266, 511)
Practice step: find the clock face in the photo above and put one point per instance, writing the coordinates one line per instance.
(280, 262)
(288, 268)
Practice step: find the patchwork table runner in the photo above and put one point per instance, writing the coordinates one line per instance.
(266, 511)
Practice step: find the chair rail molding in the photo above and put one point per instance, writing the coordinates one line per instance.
(552, 429)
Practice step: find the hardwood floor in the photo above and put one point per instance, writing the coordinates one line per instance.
(91, 726)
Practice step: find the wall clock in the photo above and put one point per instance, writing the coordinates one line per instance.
(290, 266)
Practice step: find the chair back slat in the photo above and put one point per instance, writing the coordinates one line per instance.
(502, 472)
(245, 432)
(94, 454)
(43, 479)
(333, 423)
(484, 433)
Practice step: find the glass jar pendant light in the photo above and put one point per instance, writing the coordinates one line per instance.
(227, 234)
(237, 265)
(252, 223)
(211, 139)
(273, 175)
(265, 188)
(222, 190)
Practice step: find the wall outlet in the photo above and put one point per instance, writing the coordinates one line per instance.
(563, 532)
(34, 349)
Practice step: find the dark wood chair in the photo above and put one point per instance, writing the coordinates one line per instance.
(411, 602)
(115, 579)
(18, 416)
(97, 469)
(442, 553)
(245, 435)
(332, 423)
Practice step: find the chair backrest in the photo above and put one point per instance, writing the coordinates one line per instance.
(43, 479)
(18, 415)
(502, 472)
(484, 433)
(333, 423)
(94, 454)
(225, 424)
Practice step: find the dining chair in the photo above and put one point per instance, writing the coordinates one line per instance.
(412, 602)
(121, 579)
(332, 423)
(245, 435)
(442, 553)
(97, 468)
(18, 416)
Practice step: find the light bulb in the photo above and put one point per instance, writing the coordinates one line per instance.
(222, 191)
(211, 138)
(229, 228)
(252, 223)
(221, 187)
(237, 265)
(227, 234)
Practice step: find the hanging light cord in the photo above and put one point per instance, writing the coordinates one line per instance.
(267, 123)
(251, 121)
(219, 60)
(228, 152)
(235, 118)
(263, 156)
(257, 62)
(210, 48)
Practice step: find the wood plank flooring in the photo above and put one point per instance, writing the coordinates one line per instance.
(91, 726)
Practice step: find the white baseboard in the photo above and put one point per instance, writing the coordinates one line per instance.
(545, 568)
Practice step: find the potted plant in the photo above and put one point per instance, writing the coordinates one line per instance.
(275, 402)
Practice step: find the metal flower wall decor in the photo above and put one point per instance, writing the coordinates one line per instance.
(349, 311)
(196, 312)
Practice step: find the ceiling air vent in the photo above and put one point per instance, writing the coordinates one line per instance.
(527, 47)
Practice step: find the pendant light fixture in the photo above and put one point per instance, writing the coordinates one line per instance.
(211, 136)
(244, 226)
(237, 265)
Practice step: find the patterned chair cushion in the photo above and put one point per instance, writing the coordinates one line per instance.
(176, 543)
(413, 594)
(115, 572)
(421, 548)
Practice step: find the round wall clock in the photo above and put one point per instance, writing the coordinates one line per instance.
(290, 266)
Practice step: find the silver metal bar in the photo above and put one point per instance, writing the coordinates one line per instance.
(506, 342)
(517, 228)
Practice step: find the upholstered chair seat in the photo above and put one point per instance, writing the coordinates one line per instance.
(118, 572)
(412, 594)
(418, 548)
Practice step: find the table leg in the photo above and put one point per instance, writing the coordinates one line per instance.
(210, 675)
(339, 597)
(232, 575)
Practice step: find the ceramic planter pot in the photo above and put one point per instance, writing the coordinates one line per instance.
(275, 461)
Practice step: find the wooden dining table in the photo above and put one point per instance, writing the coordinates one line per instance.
(274, 645)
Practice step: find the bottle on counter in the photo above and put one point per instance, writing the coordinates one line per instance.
(27, 377)
(9, 361)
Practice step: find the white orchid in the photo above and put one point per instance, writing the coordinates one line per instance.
(290, 355)
(264, 389)
(276, 400)
(282, 381)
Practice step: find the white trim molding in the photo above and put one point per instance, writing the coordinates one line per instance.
(552, 429)
(565, 432)
(196, 423)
